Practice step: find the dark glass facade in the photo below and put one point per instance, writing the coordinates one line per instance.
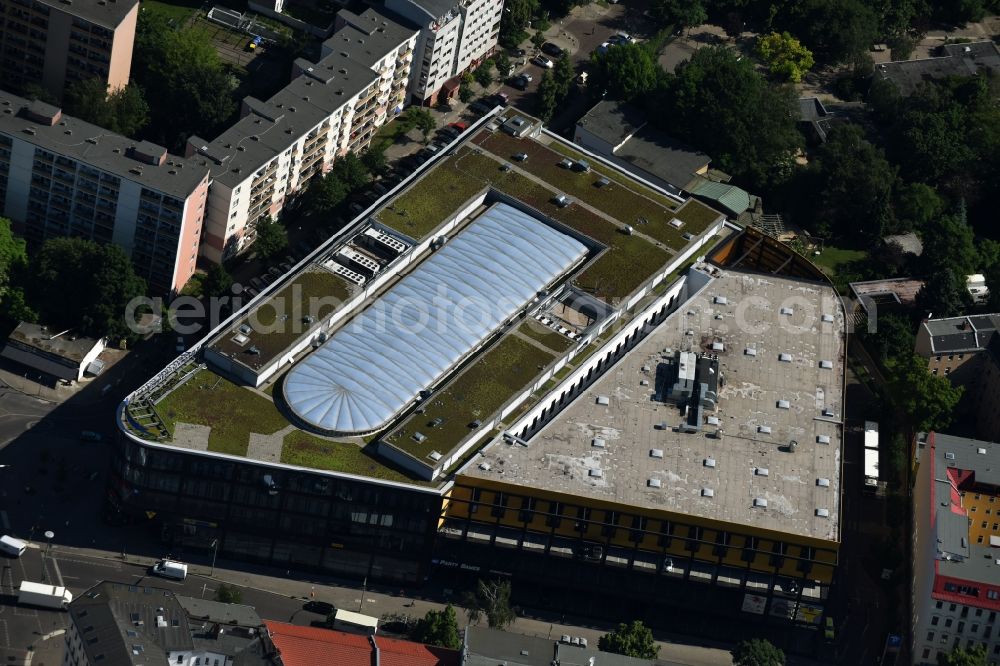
(279, 517)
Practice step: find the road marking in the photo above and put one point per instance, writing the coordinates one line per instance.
(6, 521)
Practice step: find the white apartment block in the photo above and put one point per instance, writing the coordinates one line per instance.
(454, 38)
(956, 547)
(60, 176)
(330, 107)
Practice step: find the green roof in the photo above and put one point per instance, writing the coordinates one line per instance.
(734, 199)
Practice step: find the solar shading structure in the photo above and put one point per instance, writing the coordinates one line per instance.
(371, 369)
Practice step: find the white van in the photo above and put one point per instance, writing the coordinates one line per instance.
(11, 546)
(170, 569)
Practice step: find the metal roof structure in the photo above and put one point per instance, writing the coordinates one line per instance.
(372, 369)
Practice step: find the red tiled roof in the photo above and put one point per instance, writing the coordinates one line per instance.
(311, 646)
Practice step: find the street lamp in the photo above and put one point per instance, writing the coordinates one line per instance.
(49, 534)
(215, 551)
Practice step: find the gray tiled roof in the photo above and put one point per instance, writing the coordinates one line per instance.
(612, 122)
(959, 60)
(960, 334)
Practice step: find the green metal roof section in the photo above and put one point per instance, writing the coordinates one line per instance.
(734, 199)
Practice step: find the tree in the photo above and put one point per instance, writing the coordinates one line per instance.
(975, 656)
(502, 62)
(484, 74)
(181, 67)
(272, 239)
(928, 400)
(465, 93)
(757, 652)
(784, 56)
(228, 594)
(351, 170)
(548, 96)
(325, 194)
(124, 111)
(680, 13)
(563, 75)
(13, 255)
(438, 628)
(538, 39)
(420, 118)
(855, 186)
(916, 205)
(491, 600)
(217, 281)
(631, 640)
(81, 285)
(515, 17)
(835, 32)
(723, 106)
(893, 338)
(942, 294)
(625, 71)
(950, 245)
(374, 160)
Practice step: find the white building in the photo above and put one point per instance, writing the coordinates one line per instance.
(956, 547)
(454, 38)
(330, 108)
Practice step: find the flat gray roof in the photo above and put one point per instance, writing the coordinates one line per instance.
(956, 334)
(98, 147)
(489, 647)
(612, 121)
(959, 60)
(108, 14)
(67, 345)
(662, 156)
(561, 456)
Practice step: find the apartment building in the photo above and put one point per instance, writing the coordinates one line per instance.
(967, 351)
(454, 38)
(331, 107)
(57, 42)
(117, 623)
(60, 176)
(956, 547)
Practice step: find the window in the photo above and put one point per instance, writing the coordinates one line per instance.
(938, 605)
(930, 635)
(974, 629)
(927, 653)
(934, 620)
(992, 595)
(948, 622)
(961, 627)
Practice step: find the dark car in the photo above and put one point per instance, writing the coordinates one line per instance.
(518, 53)
(548, 48)
(520, 82)
(499, 99)
(321, 607)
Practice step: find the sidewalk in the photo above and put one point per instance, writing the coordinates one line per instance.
(378, 602)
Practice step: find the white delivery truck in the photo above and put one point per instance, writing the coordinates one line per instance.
(46, 596)
(11, 546)
(171, 569)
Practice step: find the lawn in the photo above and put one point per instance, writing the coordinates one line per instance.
(421, 209)
(280, 320)
(554, 340)
(622, 201)
(178, 12)
(477, 393)
(231, 411)
(621, 269)
(306, 450)
(832, 258)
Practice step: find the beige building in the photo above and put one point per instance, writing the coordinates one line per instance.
(55, 43)
(967, 351)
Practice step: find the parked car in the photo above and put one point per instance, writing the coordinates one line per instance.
(518, 53)
(321, 607)
(479, 107)
(542, 61)
(520, 157)
(521, 82)
(548, 48)
(500, 99)
(460, 126)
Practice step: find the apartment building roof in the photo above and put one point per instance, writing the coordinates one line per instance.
(965, 475)
(434, 9)
(142, 162)
(958, 60)
(309, 646)
(270, 127)
(961, 334)
(106, 13)
(64, 344)
(369, 36)
(613, 122)
(780, 348)
(488, 647)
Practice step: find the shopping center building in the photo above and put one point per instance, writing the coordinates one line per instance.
(474, 376)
